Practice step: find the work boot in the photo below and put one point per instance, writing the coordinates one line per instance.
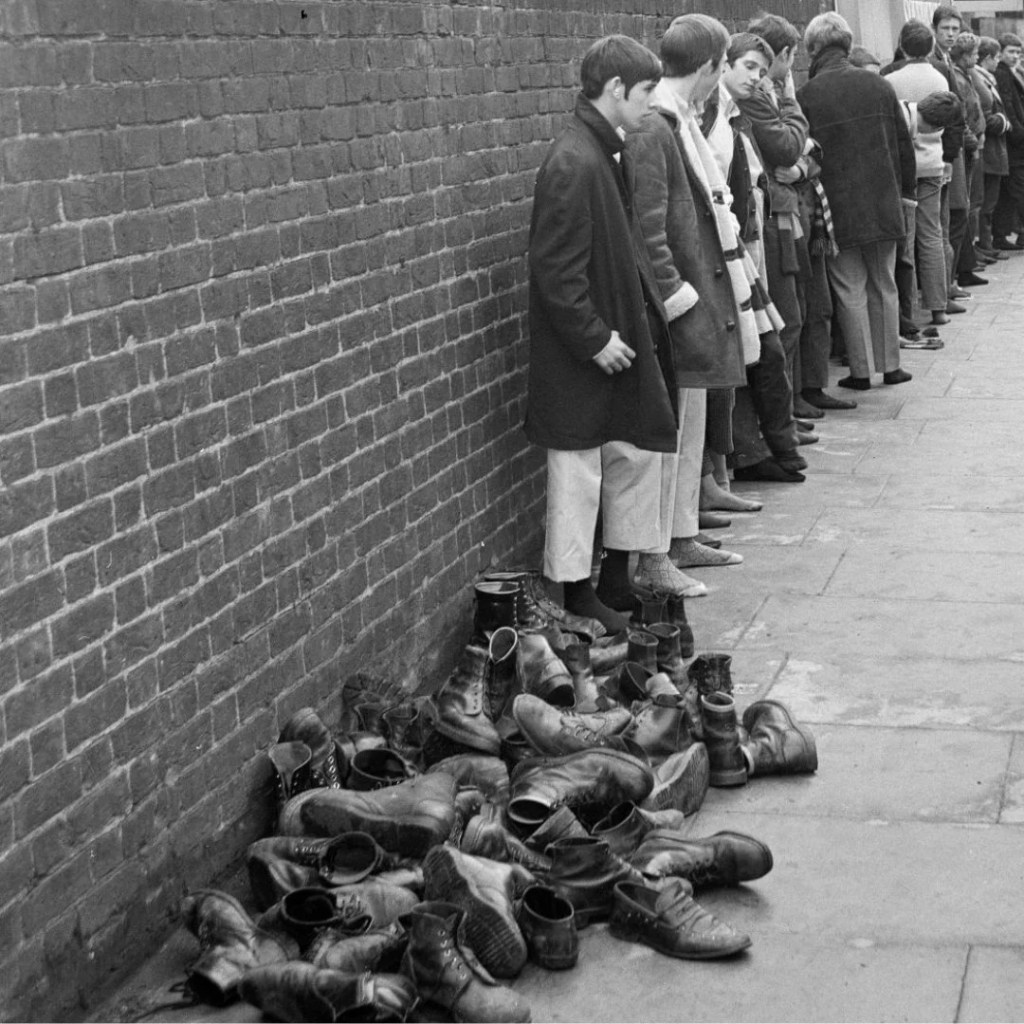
(563, 824)
(328, 766)
(668, 655)
(671, 922)
(643, 649)
(590, 777)
(681, 781)
(494, 607)
(535, 609)
(622, 828)
(379, 950)
(650, 607)
(406, 819)
(711, 673)
(230, 945)
(721, 737)
(486, 890)
(584, 872)
(726, 858)
(376, 769)
(406, 725)
(485, 835)
(462, 711)
(281, 864)
(553, 732)
(660, 727)
(502, 678)
(628, 684)
(476, 771)
(675, 614)
(576, 657)
(542, 672)
(775, 744)
(292, 770)
(443, 966)
(548, 923)
(301, 992)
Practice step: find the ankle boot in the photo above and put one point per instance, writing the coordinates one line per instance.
(462, 712)
(584, 872)
(650, 607)
(542, 673)
(406, 726)
(628, 684)
(502, 681)
(230, 944)
(495, 604)
(301, 992)
(668, 655)
(376, 768)
(675, 613)
(292, 774)
(477, 771)
(576, 657)
(548, 923)
(774, 743)
(602, 777)
(643, 649)
(485, 835)
(553, 732)
(535, 609)
(721, 737)
(378, 950)
(327, 764)
(444, 968)
(563, 824)
(406, 819)
(711, 673)
(622, 828)
(726, 858)
(660, 727)
(486, 890)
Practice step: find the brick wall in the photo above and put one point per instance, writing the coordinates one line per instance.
(261, 383)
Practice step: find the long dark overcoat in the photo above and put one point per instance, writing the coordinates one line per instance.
(589, 275)
(679, 226)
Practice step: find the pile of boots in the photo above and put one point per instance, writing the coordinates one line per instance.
(428, 847)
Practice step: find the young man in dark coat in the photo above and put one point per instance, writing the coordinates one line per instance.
(600, 379)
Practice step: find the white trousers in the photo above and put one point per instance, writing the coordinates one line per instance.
(646, 498)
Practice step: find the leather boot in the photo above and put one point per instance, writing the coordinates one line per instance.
(711, 673)
(675, 613)
(628, 684)
(668, 654)
(576, 657)
(462, 711)
(671, 922)
(643, 649)
(563, 824)
(327, 765)
(230, 944)
(584, 872)
(446, 972)
(485, 835)
(775, 744)
(406, 726)
(681, 781)
(553, 732)
(378, 950)
(502, 680)
(650, 607)
(721, 737)
(376, 768)
(292, 770)
(548, 923)
(486, 890)
(608, 654)
(590, 777)
(660, 727)
(282, 864)
(476, 771)
(622, 828)
(542, 672)
(301, 992)
(726, 858)
(535, 608)
(406, 819)
(494, 606)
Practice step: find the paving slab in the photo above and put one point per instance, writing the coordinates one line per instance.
(993, 985)
(947, 490)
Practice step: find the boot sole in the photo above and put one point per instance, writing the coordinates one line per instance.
(496, 939)
(684, 790)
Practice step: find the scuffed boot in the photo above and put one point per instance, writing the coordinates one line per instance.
(584, 872)
(379, 950)
(726, 858)
(681, 781)
(622, 828)
(548, 923)
(535, 609)
(542, 673)
(486, 890)
(643, 649)
(376, 768)
(628, 684)
(721, 737)
(503, 679)
(447, 974)
(553, 732)
(711, 673)
(563, 824)
(406, 726)
(675, 613)
(328, 765)
(476, 771)
(292, 770)
(485, 835)
(230, 945)
(301, 992)
(495, 606)
(775, 744)
(668, 654)
(576, 657)
(462, 711)
(660, 727)
(650, 607)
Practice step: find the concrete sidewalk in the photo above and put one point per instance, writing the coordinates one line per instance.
(883, 601)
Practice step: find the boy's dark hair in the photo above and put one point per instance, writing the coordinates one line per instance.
(861, 57)
(1009, 39)
(776, 31)
(987, 47)
(944, 12)
(916, 39)
(743, 42)
(690, 42)
(942, 110)
(617, 57)
(964, 44)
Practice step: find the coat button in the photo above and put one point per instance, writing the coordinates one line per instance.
(719, 271)
(730, 325)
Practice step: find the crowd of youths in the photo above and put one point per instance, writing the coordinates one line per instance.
(706, 236)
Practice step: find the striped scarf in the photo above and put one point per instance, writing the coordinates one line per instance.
(823, 235)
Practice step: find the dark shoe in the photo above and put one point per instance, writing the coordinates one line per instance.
(767, 470)
(628, 683)
(230, 945)
(711, 673)
(675, 614)
(292, 764)
(563, 824)
(774, 743)
(648, 607)
(622, 828)
(379, 950)
(463, 712)
(790, 461)
(495, 603)
(486, 836)
(605, 777)
(671, 922)
(821, 400)
(660, 727)
(726, 858)
(896, 377)
(805, 410)
(681, 781)
(486, 890)
(376, 768)
(1005, 245)
(721, 737)
(301, 992)
(576, 658)
(535, 609)
(642, 649)
(803, 438)
(446, 972)
(855, 383)
(669, 653)
(542, 673)
(970, 280)
(548, 923)
(328, 765)
(709, 521)
(553, 732)
(584, 872)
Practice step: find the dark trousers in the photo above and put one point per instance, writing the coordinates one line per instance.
(764, 408)
(1010, 208)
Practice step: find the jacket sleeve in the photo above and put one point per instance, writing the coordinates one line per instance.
(560, 254)
(905, 148)
(649, 149)
(1004, 79)
(780, 133)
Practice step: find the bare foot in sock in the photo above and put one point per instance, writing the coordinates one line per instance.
(658, 573)
(687, 553)
(715, 498)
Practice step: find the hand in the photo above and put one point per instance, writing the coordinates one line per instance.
(789, 86)
(615, 356)
(787, 175)
(947, 173)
